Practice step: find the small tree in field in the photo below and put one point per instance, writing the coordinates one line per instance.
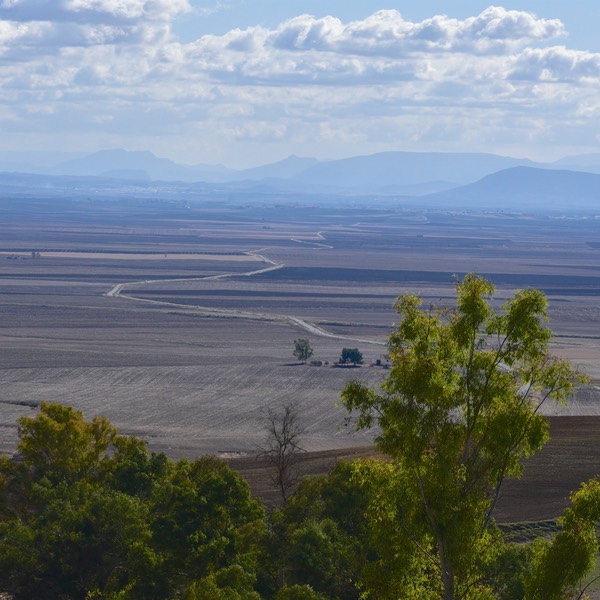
(282, 446)
(351, 356)
(302, 349)
(458, 414)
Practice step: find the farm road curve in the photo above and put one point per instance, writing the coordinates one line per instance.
(117, 292)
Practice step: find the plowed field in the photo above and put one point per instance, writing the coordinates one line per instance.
(178, 321)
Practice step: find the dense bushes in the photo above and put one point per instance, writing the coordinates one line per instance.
(86, 513)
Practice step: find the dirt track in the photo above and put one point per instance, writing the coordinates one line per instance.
(117, 292)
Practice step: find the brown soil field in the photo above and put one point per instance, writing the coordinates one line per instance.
(571, 457)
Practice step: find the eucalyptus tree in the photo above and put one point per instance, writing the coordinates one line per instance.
(457, 415)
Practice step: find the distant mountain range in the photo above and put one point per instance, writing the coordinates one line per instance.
(385, 170)
(440, 179)
(400, 170)
(580, 162)
(145, 164)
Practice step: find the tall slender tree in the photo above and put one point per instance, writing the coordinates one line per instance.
(458, 414)
(281, 447)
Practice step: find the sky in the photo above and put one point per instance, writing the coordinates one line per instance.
(248, 82)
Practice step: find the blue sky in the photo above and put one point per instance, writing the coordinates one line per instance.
(245, 82)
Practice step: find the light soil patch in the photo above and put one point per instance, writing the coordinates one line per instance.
(197, 409)
(135, 256)
(139, 256)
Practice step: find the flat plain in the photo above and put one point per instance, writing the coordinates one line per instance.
(176, 320)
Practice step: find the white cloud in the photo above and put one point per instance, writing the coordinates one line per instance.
(557, 64)
(31, 29)
(387, 33)
(211, 10)
(304, 50)
(92, 11)
(163, 10)
(113, 66)
(381, 48)
(22, 33)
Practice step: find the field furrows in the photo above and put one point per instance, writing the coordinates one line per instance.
(194, 380)
(216, 402)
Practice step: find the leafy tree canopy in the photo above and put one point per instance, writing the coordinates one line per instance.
(458, 413)
(85, 512)
(303, 349)
(351, 356)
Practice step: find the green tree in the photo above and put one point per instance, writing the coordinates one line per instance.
(558, 566)
(88, 513)
(82, 538)
(203, 520)
(65, 529)
(230, 583)
(303, 349)
(458, 413)
(319, 538)
(319, 556)
(59, 444)
(351, 355)
(299, 592)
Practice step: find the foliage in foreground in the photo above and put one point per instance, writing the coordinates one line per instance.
(86, 513)
(458, 414)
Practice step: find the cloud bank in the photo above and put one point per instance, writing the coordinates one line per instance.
(110, 68)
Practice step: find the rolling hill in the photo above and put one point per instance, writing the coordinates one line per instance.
(525, 188)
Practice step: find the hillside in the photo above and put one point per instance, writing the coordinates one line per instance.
(525, 188)
(379, 171)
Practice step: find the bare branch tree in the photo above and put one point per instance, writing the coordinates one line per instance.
(282, 445)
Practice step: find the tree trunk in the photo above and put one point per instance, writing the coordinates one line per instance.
(447, 574)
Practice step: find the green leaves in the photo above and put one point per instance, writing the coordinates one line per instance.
(61, 445)
(559, 565)
(303, 349)
(204, 519)
(87, 513)
(81, 538)
(351, 355)
(458, 414)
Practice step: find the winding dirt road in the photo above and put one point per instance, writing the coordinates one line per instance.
(118, 292)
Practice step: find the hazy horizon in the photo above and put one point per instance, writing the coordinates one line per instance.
(50, 158)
